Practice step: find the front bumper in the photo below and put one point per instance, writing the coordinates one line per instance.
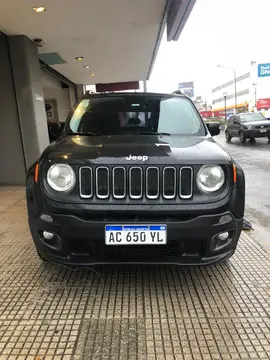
(81, 241)
(256, 133)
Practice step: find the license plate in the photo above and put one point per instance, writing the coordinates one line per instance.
(263, 130)
(135, 234)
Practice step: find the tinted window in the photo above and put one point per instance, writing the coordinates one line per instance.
(252, 117)
(231, 119)
(130, 114)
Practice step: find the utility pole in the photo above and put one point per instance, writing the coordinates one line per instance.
(255, 94)
(225, 98)
(234, 80)
(144, 86)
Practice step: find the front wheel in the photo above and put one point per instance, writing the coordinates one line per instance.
(242, 137)
(42, 258)
(228, 136)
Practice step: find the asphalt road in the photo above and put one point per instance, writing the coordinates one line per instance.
(254, 158)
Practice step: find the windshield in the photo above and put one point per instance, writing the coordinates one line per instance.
(116, 115)
(252, 117)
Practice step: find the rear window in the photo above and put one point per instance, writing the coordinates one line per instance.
(116, 115)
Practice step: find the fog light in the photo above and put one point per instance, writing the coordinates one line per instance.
(46, 218)
(47, 235)
(223, 236)
(225, 219)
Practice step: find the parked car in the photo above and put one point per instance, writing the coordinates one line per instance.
(247, 126)
(135, 178)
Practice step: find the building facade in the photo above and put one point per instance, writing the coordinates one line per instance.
(252, 92)
(223, 96)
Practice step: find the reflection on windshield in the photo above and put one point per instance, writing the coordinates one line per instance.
(152, 115)
(252, 117)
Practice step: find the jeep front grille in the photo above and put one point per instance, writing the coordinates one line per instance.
(169, 182)
(86, 182)
(102, 182)
(136, 182)
(119, 182)
(152, 182)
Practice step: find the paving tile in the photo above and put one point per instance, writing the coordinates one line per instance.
(48, 311)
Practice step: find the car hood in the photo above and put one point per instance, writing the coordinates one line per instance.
(153, 149)
(257, 123)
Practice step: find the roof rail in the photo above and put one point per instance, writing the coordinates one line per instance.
(178, 92)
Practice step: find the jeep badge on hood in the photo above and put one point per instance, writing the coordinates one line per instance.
(131, 157)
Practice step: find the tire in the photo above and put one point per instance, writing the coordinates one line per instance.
(242, 137)
(228, 136)
(42, 258)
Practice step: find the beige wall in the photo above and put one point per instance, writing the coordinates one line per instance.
(52, 90)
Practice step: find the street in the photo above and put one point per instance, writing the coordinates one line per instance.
(255, 160)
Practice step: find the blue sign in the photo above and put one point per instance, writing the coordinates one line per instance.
(263, 70)
(187, 88)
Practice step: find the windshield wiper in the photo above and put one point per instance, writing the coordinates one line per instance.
(124, 133)
(153, 133)
(82, 133)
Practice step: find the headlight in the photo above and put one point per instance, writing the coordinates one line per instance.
(249, 127)
(61, 177)
(210, 178)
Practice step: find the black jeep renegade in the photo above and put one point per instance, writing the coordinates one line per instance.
(135, 178)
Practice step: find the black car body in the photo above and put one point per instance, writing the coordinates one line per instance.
(135, 173)
(247, 126)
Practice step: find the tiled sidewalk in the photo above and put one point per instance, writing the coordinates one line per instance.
(48, 311)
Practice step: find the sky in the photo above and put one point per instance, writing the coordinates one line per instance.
(228, 32)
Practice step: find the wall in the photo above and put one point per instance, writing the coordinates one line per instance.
(72, 96)
(52, 89)
(29, 95)
(243, 92)
(12, 166)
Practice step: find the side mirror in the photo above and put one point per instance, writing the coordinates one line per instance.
(54, 131)
(214, 128)
(236, 122)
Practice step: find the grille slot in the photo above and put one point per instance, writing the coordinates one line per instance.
(86, 182)
(102, 182)
(119, 182)
(135, 182)
(169, 182)
(152, 182)
(186, 182)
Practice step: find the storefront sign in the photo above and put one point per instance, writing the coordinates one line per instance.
(187, 88)
(206, 114)
(263, 104)
(263, 70)
(131, 85)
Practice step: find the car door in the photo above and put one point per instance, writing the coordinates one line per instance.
(237, 123)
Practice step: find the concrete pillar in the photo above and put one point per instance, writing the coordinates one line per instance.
(72, 95)
(12, 166)
(80, 90)
(29, 95)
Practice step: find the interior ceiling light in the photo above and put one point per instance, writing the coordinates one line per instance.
(79, 58)
(39, 9)
(86, 66)
(92, 74)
